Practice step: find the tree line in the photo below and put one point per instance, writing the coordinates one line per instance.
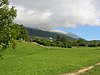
(61, 41)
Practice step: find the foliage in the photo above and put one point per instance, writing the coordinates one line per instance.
(93, 44)
(47, 42)
(74, 43)
(69, 46)
(9, 31)
(29, 39)
(7, 16)
(58, 38)
(98, 44)
(82, 42)
(20, 31)
(63, 39)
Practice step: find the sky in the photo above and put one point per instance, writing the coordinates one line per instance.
(81, 17)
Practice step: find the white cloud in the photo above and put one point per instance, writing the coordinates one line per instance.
(48, 14)
(59, 31)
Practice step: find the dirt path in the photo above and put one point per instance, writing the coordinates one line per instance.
(83, 70)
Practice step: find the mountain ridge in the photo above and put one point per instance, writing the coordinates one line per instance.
(47, 34)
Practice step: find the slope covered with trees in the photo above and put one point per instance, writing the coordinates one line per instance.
(46, 34)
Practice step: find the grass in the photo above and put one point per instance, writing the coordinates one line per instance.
(94, 71)
(32, 59)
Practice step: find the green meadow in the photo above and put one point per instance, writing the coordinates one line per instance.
(33, 59)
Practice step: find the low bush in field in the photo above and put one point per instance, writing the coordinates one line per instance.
(69, 46)
(82, 44)
(92, 45)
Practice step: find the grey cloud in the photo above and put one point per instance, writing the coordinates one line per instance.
(48, 14)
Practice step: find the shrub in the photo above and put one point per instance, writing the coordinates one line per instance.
(92, 45)
(69, 46)
(82, 44)
(29, 40)
(98, 44)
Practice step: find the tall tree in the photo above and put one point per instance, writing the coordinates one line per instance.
(7, 15)
(63, 39)
(58, 38)
(81, 42)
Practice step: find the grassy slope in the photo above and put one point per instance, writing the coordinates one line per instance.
(94, 71)
(31, 59)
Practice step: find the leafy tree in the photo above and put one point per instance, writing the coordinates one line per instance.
(20, 31)
(98, 44)
(69, 45)
(74, 43)
(63, 39)
(82, 42)
(58, 38)
(7, 15)
(93, 44)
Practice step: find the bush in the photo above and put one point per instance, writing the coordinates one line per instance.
(82, 44)
(69, 46)
(29, 40)
(98, 44)
(92, 45)
(52, 44)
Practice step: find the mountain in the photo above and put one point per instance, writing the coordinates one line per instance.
(52, 34)
(72, 35)
(69, 34)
